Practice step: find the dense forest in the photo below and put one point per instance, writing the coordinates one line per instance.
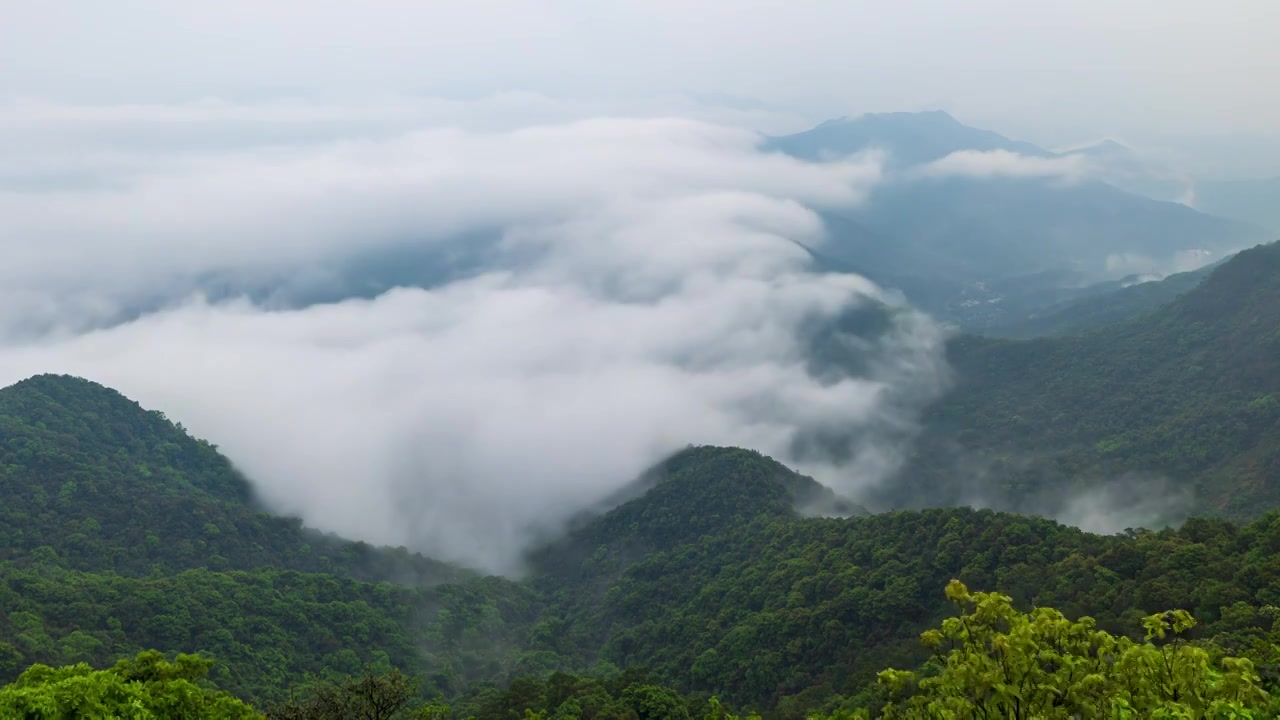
(137, 571)
(706, 584)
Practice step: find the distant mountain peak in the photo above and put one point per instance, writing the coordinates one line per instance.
(910, 138)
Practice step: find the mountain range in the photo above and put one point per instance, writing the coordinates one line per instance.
(706, 583)
(1120, 432)
(1007, 233)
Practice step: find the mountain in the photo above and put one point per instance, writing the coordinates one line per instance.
(1251, 201)
(707, 572)
(908, 138)
(1177, 412)
(995, 240)
(72, 452)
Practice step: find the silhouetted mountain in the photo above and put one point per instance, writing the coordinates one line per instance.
(908, 138)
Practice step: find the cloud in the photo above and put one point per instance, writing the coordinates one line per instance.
(641, 288)
(84, 255)
(1130, 501)
(1156, 268)
(1006, 164)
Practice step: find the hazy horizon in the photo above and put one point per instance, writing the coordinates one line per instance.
(1169, 76)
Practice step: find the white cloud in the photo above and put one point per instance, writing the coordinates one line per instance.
(646, 292)
(1124, 264)
(1006, 164)
(168, 219)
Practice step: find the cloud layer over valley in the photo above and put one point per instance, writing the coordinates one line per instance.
(627, 286)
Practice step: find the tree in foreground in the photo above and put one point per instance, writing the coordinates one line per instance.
(371, 696)
(995, 662)
(148, 687)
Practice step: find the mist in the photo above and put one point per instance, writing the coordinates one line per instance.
(645, 285)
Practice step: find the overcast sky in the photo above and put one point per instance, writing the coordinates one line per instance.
(1051, 72)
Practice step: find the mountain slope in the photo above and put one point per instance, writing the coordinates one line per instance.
(1189, 396)
(92, 476)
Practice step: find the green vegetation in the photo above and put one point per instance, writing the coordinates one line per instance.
(1190, 394)
(89, 475)
(147, 687)
(996, 662)
(702, 592)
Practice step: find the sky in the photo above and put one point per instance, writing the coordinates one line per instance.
(175, 175)
(1052, 72)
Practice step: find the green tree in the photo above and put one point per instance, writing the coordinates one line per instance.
(995, 662)
(371, 696)
(149, 687)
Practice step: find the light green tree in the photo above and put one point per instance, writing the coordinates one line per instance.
(995, 662)
(148, 687)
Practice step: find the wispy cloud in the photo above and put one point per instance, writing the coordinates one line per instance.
(641, 288)
(1005, 164)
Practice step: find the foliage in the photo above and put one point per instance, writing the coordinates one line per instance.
(996, 661)
(145, 688)
(266, 628)
(371, 696)
(704, 572)
(89, 474)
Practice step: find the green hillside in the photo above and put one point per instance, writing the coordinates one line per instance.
(1189, 394)
(89, 475)
(707, 579)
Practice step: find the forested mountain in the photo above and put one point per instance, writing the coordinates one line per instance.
(1189, 396)
(708, 573)
(707, 576)
(89, 475)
